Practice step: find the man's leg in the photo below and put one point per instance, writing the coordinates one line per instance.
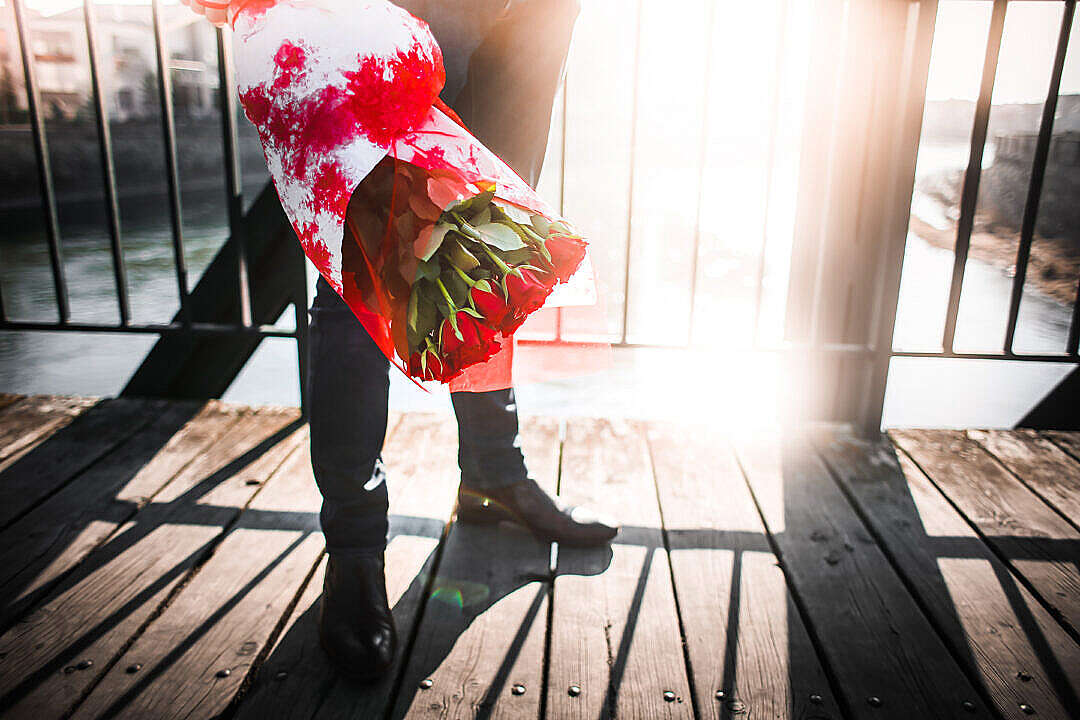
(348, 386)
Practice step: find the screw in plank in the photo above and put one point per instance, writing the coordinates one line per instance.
(84, 664)
(669, 696)
(281, 675)
(874, 701)
(517, 689)
(1024, 676)
(816, 699)
(736, 706)
(69, 669)
(1027, 709)
(968, 706)
(573, 690)
(133, 668)
(426, 683)
(223, 673)
(720, 695)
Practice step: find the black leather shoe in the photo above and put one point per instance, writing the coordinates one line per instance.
(356, 626)
(527, 504)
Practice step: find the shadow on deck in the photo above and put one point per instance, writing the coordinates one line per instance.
(163, 559)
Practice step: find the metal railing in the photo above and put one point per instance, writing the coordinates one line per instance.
(965, 225)
(891, 205)
(185, 323)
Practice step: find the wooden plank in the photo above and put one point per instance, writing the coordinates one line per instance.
(51, 539)
(9, 399)
(885, 658)
(614, 630)
(483, 627)
(69, 451)
(195, 656)
(744, 635)
(93, 613)
(420, 459)
(1033, 539)
(997, 628)
(1067, 441)
(26, 422)
(295, 676)
(1044, 467)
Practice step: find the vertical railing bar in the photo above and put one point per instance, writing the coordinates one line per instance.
(816, 296)
(172, 171)
(970, 196)
(710, 21)
(630, 191)
(45, 179)
(1038, 173)
(108, 168)
(234, 193)
(300, 311)
(1073, 345)
(562, 182)
(895, 243)
(770, 160)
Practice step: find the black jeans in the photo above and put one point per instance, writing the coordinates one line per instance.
(504, 59)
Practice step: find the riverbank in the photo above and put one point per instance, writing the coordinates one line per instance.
(1053, 267)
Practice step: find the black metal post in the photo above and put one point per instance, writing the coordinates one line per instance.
(234, 193)
(895, 238)
(630, 192)
(969, 198)
(107, 168)
(41, 149)
(1038, 173)
(172, 171)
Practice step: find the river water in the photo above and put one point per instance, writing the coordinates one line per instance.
(741, 390)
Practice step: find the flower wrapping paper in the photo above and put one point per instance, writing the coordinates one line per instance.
(333, 87)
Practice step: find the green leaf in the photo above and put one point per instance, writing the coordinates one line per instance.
(541, 225)
(457, 288)
(459, 256)
(500, 236)
(428, 269)
(481, 218)
(475, 204)
(430, 240)
(513, 212)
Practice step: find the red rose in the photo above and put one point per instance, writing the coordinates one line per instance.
(567, 252)
(477, 343)
(525, 295)
(490, 304)
(434, 369)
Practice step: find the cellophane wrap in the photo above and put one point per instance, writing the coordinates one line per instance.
(334, 87)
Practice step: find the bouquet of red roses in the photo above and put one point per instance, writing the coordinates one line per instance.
(436, 245)
(452, 265)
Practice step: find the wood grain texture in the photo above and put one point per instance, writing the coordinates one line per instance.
(29, 420)
(94, 612)
(1044, 467)
(614, 630)
(1033, 539)
(992, 623)
(485, 619)
(197, 653)
(1067, 441)
(875, 639)
(53, 537)
(69, 451)
(421, 465)
(744, 635)
(9, 399)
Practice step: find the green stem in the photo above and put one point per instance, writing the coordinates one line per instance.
(464, 276)
(446, 294)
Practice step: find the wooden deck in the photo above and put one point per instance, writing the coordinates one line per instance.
(163, 560)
